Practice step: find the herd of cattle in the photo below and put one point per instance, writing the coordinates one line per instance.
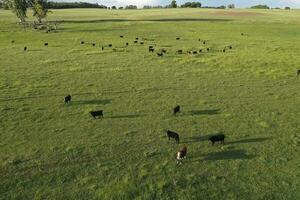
(181, 154)
(171, 134)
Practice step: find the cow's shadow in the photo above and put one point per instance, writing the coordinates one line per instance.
(100, 102)
(250, 140)
(126, 116)
(200, 138)
(205, 112)
(228, 155)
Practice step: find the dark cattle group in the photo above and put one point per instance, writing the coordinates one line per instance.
(298, 72)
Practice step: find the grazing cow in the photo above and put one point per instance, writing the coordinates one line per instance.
(82, 42)
(164, 51)
(102, 47)
(160, 54)
(135, 42)
(110, 45)
(176, 110)
(298, 72)
(68, 99)
(12, 41)
(94, 44)
(242, 34)
(179, 51)
(178, 38)
(151, 50)
(204, 42)
(224, 50)
(151, 47)
(230, 47)
(141, 42)
(121, 36)
(217, 138)
(200, 50)
(195, 52)
(96, 114)
(173, 135)
(25, 48)
(181, 154)
(46, 44)
(207, 49)
(127, 43)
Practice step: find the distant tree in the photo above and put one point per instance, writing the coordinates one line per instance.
(191, 5)
(40, 10)
(287, 8)
(260, 7)
(173, 4)
(19, 7)
(231, 6)
(131, 7)
(120, 8)
(147, 7)
(114, 7)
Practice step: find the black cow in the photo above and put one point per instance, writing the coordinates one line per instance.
(204, 42)
(102, 47)
(217, 138)
(141, 42)
(242, 34)
(25, 48)
(46, 44)
(82, 42)
(160, 54)
(127, 43)
(195, 52)
(230, 47)
(298, 72)
(178, 38)
(135, 42)
(151, 50)
(137, 38)
(96, 114)
(151, 47)
(12, 41)
(110, 45)
(224, 50)
(164, 51)
(94, 44)
(181, 154)
(179, 51)
(173, 135)
(176, 110)
(200, 50)
(207, 49)
(68, 99)
(121, 36)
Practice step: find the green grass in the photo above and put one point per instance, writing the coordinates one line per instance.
(49, 150)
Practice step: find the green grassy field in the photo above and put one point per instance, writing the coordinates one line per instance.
(49, 150)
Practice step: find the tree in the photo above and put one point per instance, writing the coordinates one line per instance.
(287, 8)
(131, 7)
(19, 7)
(191, 5)
(231, 6)
(173, 4)
(40, 10)
(260, 7)
(114, 7)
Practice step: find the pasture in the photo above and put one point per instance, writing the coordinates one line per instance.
(250, 93)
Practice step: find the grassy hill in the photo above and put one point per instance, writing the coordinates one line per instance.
(250, 93)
